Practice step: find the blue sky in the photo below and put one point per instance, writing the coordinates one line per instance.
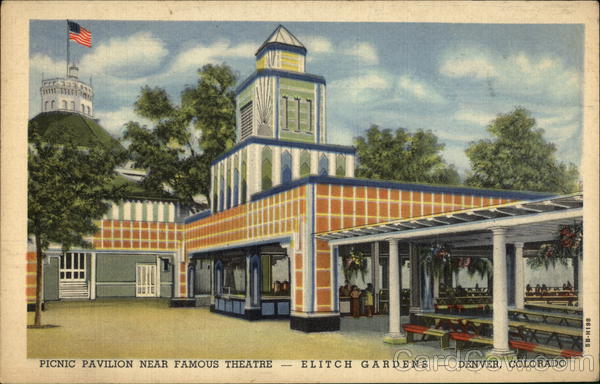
(450, 78)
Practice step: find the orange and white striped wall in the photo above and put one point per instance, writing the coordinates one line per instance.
(292, 214)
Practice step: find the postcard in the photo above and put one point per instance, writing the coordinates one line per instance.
(299, 191)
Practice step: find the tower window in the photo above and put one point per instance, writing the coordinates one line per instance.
(310, 115)
(246, 120)
(267, 168)
(297, 114)
(284, 112)
(323, 165)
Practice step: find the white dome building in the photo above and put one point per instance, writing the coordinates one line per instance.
(70, 94)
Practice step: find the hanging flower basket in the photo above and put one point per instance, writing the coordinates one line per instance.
(568, 244)
(354, 262)
(438, 260)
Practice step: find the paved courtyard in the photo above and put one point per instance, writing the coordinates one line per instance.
(148, 328)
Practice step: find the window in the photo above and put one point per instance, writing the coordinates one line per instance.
(284, 113)
(82, 108)
(323, 165)
(215, 192)
(222, 193)
(72, 266)
(228, 205)
(46, 106)
(297, 114)
(234, 274)
(236, 186)
(244, 183)
(309, 128)
(52, 104)
(286, 167)
(72, 105)
(267, 168)
(64, 104)
(165, 264)
(340, 165)
(304, 163)
(275, 275)
(246, 120)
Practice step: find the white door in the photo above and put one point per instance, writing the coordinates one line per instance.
(145, 280)
(72, 273)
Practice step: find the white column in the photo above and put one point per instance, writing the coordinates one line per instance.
(314, 163)
(375, 273)
(93, 276)
(350, 165)
(500, 317)
(519, 276)
(295, 163)
(157, 277)
(255, 170)
(436, 287)
(395, 335)
(276, 165)
(580, 282)
(331, 159)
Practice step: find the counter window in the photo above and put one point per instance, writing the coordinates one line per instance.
(275, 275)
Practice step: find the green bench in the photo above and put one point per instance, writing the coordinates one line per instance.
(462, 338)
(412, 329)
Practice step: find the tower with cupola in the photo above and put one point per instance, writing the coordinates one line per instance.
(281, 127)
(280, 100)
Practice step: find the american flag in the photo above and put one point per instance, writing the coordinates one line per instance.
(80, 34)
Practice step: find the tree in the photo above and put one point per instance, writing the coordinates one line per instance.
(518, 157)
(403, 156)
(69, 188)
(186, 138)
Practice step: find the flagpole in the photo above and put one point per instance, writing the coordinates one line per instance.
(68, 49)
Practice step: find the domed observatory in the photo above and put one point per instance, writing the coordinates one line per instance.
(67, 95)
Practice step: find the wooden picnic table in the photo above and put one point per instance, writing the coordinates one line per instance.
(549, 299)
(527, 331)
(555, 307)
(464, 300)
(545, 315)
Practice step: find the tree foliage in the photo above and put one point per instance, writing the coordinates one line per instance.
(518, 157)
(403, 156)
(69, 187)
(186, 138)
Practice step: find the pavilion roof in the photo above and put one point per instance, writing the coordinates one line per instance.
(536, 220)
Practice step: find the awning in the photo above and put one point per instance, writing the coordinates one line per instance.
(527, 221)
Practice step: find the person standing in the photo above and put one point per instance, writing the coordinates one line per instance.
(355, 302)
(369, 302)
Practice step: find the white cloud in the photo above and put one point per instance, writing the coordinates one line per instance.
(420, 90)
(41, 63)
(364, 51)
(200, 55)
(131, 55)
(363, 88)
(453, 134)
(320, 45)
(113, 121)
(317, 44)
(473, 116)
(515, 75)
(468, 64)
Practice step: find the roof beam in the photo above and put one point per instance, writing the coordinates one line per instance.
(480, 225)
